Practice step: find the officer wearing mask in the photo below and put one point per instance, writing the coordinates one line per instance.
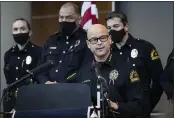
(123, 81)
(67, 48)
(139, 53)
(19, 59)
(167, 77)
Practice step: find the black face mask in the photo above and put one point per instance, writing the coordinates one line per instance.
(66, 28)
(21, 38)
(117, 36)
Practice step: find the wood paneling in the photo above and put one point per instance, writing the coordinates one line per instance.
(45, 18)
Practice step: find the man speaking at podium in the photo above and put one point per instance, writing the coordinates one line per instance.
(124, 91)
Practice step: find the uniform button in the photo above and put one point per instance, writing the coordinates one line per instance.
(27, 71)
(50, 52)
(17, 68)
(129, 45)
(133, 64)
(56, 71)
(67, 42)
(16, 79)
(32, 45)
(25, 50)
(121, 53)
(18, 57)
(64, 52)
(60, 61)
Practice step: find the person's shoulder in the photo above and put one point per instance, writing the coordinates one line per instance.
(144, 42)
(9, 51)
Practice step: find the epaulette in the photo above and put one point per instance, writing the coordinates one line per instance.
(143, 41)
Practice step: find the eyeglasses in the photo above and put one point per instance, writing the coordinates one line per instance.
(103, 38)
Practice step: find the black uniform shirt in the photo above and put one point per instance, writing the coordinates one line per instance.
(143, 56)
(123, 81)
(18, 62)
(167, 78)
(67, 52)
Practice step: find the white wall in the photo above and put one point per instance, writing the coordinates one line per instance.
(9, 12)
(153, 21)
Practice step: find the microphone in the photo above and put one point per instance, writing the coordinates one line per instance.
(101, 79)
(36, 71)
(97, 67)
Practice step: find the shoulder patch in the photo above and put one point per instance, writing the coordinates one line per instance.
(134, 76)
(154, 54)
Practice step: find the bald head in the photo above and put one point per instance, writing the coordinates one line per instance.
(71, 7)
(99, 42)
(96, 31)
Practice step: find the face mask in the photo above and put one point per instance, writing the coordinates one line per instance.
(66, 28)
(21, 38)
(117, 36)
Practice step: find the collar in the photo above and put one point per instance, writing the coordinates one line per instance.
(25, 47)
(109, 61)
(129, 41)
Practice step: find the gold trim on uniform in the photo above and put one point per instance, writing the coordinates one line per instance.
(134, 76)
(154, 54)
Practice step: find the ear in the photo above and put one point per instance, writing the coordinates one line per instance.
(87, 42)
(126, 28)
(30, 33)
(110, 40)
(79, 20)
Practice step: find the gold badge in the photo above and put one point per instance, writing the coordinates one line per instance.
(154, 55)
(134, 76)
(77, 43)
(113, 75)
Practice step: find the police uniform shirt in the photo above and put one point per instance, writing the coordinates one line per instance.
(67, 52)
(143, 56)
(17, 62)
(124, 84)
(167, 77)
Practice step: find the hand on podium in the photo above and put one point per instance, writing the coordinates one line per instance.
(49, 82)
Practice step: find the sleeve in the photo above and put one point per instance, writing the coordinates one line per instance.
(42, 78)
(154, 69)
(6, 67)
(167, 77)
(132, 96)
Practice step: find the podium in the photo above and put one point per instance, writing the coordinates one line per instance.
(64, 100)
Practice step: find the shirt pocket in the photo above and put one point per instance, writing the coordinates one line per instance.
(76, 57)
(51, 54)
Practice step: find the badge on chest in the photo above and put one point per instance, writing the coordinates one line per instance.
(28, 60)
(134, 53)
(113, 75)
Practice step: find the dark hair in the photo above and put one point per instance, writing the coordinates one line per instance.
(120, 15)
(23, 19)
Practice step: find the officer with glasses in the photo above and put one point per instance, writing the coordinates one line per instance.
(124, 89)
